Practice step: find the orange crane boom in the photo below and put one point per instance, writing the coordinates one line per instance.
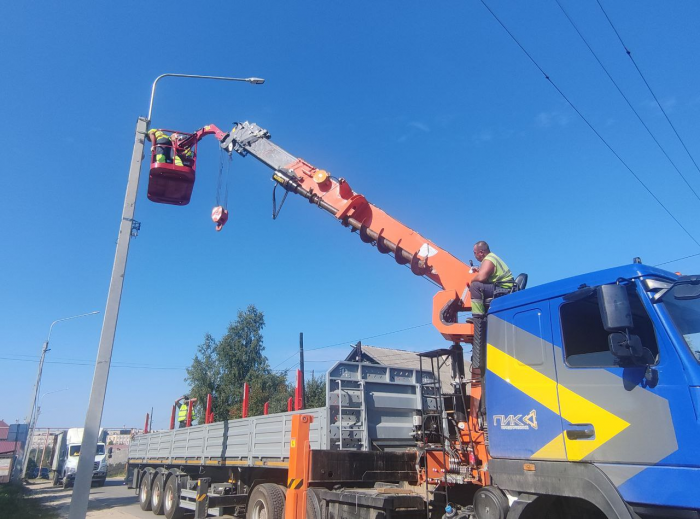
(373, 225)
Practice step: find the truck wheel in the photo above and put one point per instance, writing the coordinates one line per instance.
(171, 500)
(490, 503)
(157, 494)
(313, 505)
(145, 492)
(66, 482)
(266, 502)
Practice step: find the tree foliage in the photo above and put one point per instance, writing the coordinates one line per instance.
(222, 367)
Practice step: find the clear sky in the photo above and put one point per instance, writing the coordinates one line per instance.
(429, 109)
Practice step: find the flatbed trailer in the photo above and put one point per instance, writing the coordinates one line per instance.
(363, 437)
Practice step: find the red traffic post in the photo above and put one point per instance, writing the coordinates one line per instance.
(298, 471)
(266, 408)
(246, 397)
(145, 426)
(298, 392)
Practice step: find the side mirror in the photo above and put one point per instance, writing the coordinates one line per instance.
(109, 451)
(109, 455)
(615, 308)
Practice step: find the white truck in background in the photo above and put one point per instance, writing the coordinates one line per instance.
(66, 454)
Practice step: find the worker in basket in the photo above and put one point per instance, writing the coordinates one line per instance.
(168, 150)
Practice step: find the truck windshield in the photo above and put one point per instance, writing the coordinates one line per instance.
(686, 316)
(75, 450)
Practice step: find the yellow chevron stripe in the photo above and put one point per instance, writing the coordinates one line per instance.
(547, 392)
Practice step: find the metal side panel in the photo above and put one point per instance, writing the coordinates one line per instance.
(372, 406)
(252, 440)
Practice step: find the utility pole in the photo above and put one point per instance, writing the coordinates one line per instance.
(128, 228)
(301, 368)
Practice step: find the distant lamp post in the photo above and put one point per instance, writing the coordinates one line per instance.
(127, 229)
(31, 416)
(48, 431)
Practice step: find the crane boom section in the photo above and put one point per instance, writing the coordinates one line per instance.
(373, 225)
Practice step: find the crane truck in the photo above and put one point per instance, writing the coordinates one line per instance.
(582, 399)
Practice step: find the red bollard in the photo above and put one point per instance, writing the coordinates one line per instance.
(246, 396)
(266, 408)
(145, 427)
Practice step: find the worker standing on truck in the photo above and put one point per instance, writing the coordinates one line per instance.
(164, 147)
(492, 278)
(182, 413)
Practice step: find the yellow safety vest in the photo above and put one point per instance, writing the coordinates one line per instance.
(182, 413)
(501, 273)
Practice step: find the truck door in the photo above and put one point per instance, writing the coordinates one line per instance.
(611, 414)
(521, 396)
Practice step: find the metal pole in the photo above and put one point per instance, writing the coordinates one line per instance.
(301, 368)
(31, 420)
(83, 477)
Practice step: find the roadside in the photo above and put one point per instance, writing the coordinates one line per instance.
(15, 503)
(113, 501)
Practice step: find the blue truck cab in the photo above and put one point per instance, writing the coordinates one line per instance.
(592, 395)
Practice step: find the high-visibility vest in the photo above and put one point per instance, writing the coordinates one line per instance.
(182, 413)
(501, 272)
(159, 134)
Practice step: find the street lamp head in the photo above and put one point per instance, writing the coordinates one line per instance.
(256, 80)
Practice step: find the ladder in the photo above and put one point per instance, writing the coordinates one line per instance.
(431, 391)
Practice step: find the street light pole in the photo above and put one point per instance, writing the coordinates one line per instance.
(31, 415)
(128, 228)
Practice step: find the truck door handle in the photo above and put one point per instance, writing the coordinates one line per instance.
(580, 431)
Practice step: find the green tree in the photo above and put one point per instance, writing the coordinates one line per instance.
(315, 392)
(221, 367)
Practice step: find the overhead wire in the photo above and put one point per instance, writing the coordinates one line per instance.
(602, 139)
(629, 53)
(343, 343)
(677, 259)
(566, 14)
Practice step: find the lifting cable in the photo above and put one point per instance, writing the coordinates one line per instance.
(627, 100)
(571, 104)
(220, 212)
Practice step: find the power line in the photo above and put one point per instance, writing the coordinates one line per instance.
(629, 53)
(678, 259)
(343, 343)
(626, 99)
(589, 124)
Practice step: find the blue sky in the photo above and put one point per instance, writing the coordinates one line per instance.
(427, 108)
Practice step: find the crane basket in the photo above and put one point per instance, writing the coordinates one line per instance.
(169, 182)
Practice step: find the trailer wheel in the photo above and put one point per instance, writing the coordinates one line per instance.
(266, 502)
(145, 492)
(157, 492)
(171, 499)
(490, 503)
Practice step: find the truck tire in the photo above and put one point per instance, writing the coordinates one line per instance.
(313, 505)
(157, 492)
(266, 502)
(171, 500)
(145, 492)
(66, 482)
(101, 482)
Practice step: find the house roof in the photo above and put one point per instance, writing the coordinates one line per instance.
(405, 359)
